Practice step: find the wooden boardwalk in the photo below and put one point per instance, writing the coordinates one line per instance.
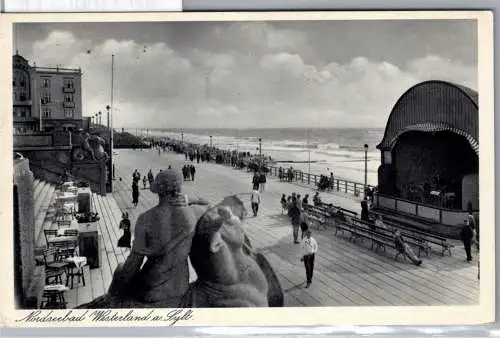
(345, 274)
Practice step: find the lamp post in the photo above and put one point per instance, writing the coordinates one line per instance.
(92, 119)
(107, 115)
(100, 114)
(260, 147)
(366, 166)
(182, 138)
(210, 141)
(309, 160)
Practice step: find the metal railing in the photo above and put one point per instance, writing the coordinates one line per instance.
(339, 184)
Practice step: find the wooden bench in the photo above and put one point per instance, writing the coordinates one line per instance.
(419, 235)
(380, 239)
(320, 216)
(415, 240)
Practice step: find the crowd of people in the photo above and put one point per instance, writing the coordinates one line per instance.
(188, 172)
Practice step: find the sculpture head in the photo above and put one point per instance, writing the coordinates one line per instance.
(217, 250)
(167, 183)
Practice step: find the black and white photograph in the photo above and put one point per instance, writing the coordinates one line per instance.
(251, 163)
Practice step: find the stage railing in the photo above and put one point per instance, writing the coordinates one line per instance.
(428, 212)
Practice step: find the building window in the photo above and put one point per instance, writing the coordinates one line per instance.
(69, 83)
(46, 113)
(68, 98)
(69, 112)
(22, 97)
(46, 83)
(45, 97)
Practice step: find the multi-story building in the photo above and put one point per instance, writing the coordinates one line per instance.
(45, 98)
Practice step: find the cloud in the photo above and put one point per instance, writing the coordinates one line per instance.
(266, 77)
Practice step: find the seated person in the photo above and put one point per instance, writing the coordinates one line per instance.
(229, 273)
(316, 200)
(405, 249)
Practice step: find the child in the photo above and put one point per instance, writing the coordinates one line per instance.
(284, 204)
(144, 180)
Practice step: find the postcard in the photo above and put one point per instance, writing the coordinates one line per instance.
(219, 169)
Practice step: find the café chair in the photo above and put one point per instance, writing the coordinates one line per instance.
(54, 268)
(53, 297)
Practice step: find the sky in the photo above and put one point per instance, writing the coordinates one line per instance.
(340, 74)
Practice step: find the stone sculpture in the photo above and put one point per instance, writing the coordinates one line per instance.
(229, 273)
(91, 148)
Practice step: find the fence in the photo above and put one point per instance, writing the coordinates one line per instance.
(40, 139)
(340, 185)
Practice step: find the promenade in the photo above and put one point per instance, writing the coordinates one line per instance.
(346, 274)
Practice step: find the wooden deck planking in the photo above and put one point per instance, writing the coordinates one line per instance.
(328, 283)
(361, 269)
(109, 245)
(84, 292)
(148, 196)
(97, 283)
(439, 280)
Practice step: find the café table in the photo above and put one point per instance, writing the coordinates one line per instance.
(67, 185)
(84, 200)
(75, 269)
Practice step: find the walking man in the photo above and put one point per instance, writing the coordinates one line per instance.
(309, 249)
(193, 171)
(294, 214)
(255, 200)
(467, 235)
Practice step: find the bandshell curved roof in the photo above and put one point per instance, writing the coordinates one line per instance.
(434, 106)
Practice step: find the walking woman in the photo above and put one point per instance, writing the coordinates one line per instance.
(124, 241)
(135, 193)
(284, 204)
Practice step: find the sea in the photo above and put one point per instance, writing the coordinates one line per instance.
(340, 151)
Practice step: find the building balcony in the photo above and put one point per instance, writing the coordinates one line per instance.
(68, 104)
(23, 103)
(18, 119)
(68, 90)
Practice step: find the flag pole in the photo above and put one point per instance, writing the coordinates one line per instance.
(112, 89)
(111, 137)
(40, 112)
(309, 159)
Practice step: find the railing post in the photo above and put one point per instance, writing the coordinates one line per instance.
(355, 189)
(338, 185)
(345, 186)
(308, 178)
